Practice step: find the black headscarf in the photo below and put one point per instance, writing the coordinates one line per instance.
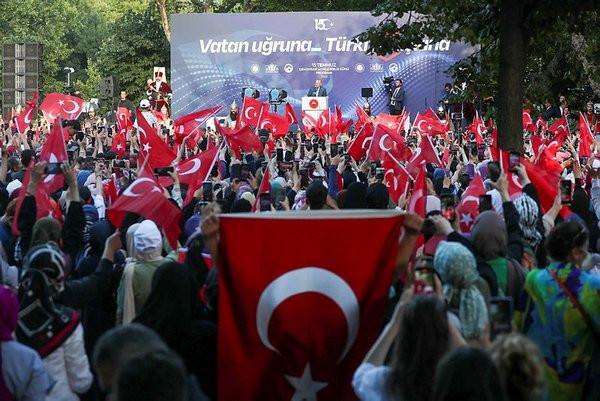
(170, 310)
(378, 196)
(356, 196)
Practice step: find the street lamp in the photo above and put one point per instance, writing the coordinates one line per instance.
(69, 71)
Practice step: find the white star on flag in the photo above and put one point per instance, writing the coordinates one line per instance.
(61, 102)
(306, 387)
(466, 218)
(119, 147)
(147, 147)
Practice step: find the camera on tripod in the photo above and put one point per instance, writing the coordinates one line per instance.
(388, 80)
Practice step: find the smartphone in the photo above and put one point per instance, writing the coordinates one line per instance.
(494, 169)
(265, 202)
(53, 168)
(109, 131)
(424, 281)
(279, 154)
(500, 310)
(79, 135)
(566, 190)
(448, 206)
(481, 152)
(453, 149)
(277, 196)
(245, 172)
(513, 161)
(163, 171)
(302, 151)
(485, 203)
(333, 149)
(441, 142)
(236, 171)
(379, 173)
(303, 137)
(207, 191)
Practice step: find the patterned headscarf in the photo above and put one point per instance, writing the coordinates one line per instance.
(528, 213)
(458, 270)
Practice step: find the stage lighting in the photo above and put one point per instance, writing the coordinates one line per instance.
(276, 95)
(250, 92)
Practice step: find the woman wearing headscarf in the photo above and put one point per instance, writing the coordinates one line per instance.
(23, 376)
(377, 196)
(560, 312)
(356, 196)
(458, 270)
(53, 330)
(529, 213)
(136, 281)
(490, 241)
(173, 310)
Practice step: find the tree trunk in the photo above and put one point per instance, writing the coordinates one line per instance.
(164, 18)
(514, 40)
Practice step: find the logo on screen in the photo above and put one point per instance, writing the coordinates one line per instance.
(255, 68)
(323, 24)
(376, 67)
(359, 67)
(288, 68)
(393, 68)
(271, 69)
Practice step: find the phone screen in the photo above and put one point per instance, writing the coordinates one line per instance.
(245, 172)
(494, 169)
(565, 192)
(207, 191)
(279, 155)
(333, 149)
(265, 202)
(500, 311)
(424, 281)
(513, 160)
(481, 152)
(53, 168)
(485, 203)
(448, 205)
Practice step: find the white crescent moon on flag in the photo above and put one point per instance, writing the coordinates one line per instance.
(470, 198)
(27, 118)
(246, 112)
(290, 116)
(419, 126)
(266, 122)
(416, 155)
(322, 120)
(75, 107)
(515, 181)
(394, 176)
(129, 190)
(365, 142)
(305, 280)
(382, 142)
(195, 167)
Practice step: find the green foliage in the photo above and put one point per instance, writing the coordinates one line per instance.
(132, 48)
(554, 64)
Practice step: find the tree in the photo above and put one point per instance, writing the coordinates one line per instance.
(133, 47)
(517, 39)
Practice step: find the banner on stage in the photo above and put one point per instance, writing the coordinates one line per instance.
(214, 56)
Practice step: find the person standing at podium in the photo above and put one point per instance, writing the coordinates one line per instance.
(396, 98)
(318, 89)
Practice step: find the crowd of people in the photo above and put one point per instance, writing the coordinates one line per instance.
(92, 311)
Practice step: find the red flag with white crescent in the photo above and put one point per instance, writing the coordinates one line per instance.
(23, 120)
(468, 208)
(253, 111)
(528, 121)
(299, 322)
(587, 139)
(425, 153)
(361, 142)
(395, 177)
(160, 155)
(54, 151)
(145, 197)
(388, 142)
(277, 124)
(290, 115)
(65, 106)
(418, 198)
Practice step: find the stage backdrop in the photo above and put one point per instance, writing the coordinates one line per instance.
(213, 56)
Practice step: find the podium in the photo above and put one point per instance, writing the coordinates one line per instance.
(315, 105)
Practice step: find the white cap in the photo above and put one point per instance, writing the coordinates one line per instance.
(234, 105)
(14, 184)
(145, 103)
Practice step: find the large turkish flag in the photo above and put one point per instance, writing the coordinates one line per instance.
(298, 315)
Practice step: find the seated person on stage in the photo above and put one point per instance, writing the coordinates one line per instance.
(317, 90)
